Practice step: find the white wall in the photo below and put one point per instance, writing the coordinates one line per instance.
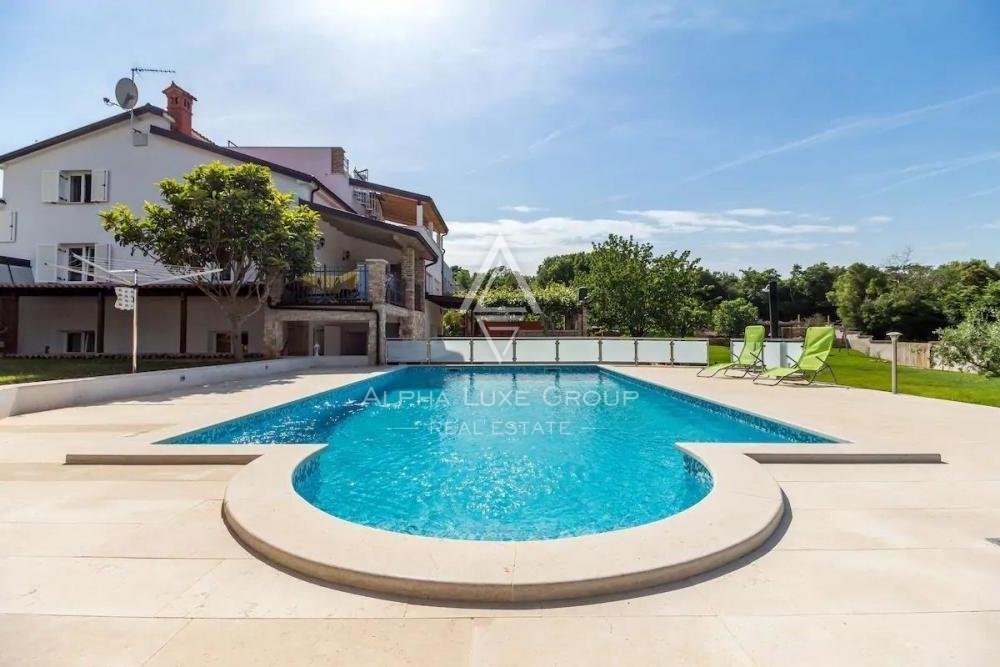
(310, 159)
(42, 318)
(134, 174)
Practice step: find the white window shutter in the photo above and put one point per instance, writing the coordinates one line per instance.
(8, 234)
(50, 187)
(45, 264)
(99, 185)
(102, 257)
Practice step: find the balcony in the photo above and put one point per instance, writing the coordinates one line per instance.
(370, 202)
(328, 287)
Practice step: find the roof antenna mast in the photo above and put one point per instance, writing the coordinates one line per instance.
(127, 93)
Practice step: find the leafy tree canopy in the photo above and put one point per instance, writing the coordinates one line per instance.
(226, 217)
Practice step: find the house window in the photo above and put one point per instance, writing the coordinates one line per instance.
(77, 187)
(79, 341)
(221, 342)
(77, 270)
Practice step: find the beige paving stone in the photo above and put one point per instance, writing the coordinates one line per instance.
(677, 640)
(882, 495)
(899, 472)
(68, 509)
(58, 539)
(103, 489)
(198, 532)
(60, 471)
(95, 586)
(253, 589)
(966, 639)
(890, 529)
(680, 599)
(290, 643)
(859, 582)
(56, 641)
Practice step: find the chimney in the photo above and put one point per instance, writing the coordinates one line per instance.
(179, 106)
(338, 160)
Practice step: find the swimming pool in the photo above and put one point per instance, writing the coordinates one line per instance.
(501, 453)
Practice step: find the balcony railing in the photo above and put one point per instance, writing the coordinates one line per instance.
(370, 202)
(327, 287)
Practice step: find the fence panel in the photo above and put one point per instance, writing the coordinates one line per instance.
(618, 350)
(579, 350)
(653, 351)
(500, 351)
(694, 352)
(406, 351)
(450, 351)
(531, 350)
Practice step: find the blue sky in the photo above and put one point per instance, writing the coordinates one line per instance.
(752, 133)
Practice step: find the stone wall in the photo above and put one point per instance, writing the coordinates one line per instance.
(917, 355)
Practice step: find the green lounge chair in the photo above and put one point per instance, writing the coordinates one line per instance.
(815, 350)
(750, 359)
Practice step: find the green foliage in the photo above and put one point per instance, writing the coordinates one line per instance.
(452, 321)
(731, 317)
(226, 217)
(572, 269)
(637, 293)
(852, 288)
(461, 278)
(973, 343)
(806, 291)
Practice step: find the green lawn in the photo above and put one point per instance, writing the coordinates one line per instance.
(856, 370)
(33, 370)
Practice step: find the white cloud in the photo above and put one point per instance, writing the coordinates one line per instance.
(757, 212)
(522, 208)
(877, 219)
(919, 172)
(851, 128)
(772, 244)
(681, 221)
(533, 240)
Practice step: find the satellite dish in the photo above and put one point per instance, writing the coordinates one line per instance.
(126, 93)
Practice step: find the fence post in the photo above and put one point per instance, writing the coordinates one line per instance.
(635, 347)
(472, 354)
(428, 350)
(513, 351)
(672, 362)
(600, 350)
(557, 349)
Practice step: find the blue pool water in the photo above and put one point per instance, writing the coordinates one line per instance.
(501, 453)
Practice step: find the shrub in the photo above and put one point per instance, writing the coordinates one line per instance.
(733, 316)
(973, 343)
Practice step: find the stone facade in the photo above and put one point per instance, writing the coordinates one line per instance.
(276, 318)
(409, 279)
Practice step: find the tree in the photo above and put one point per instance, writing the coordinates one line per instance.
(753, 282)
(621, 275)
(806, 290)
(852, 288)
(731, 317)
(461, 278)
(226, 217)
(678, 305)
(636, 292)
(974, 343)
(572, 269)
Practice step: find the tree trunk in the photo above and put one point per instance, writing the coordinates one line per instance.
(236, 337)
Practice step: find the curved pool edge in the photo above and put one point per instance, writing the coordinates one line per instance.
(737, 516)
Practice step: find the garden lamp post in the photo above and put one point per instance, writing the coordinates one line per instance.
(772, 308)
(894, 337)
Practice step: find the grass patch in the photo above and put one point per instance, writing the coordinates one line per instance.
(35, 370)
(854, 369)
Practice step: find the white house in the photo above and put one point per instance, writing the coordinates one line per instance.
(381, 254)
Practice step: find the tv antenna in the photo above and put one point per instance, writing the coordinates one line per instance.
(127, 93)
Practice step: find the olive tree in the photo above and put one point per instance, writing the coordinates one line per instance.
(226, 217)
